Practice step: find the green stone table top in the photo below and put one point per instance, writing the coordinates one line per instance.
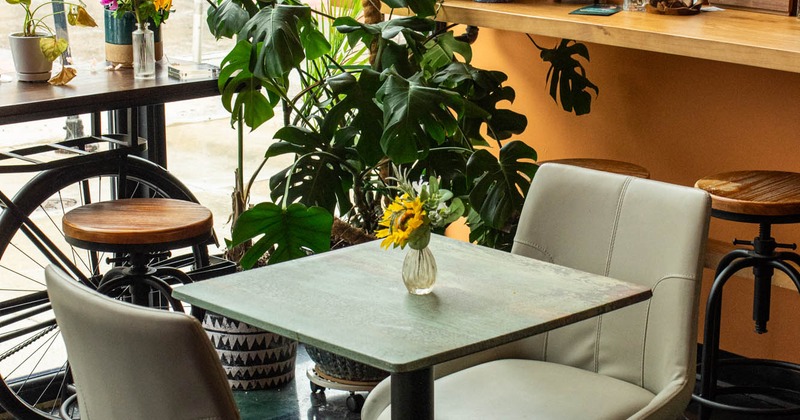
(353, 302)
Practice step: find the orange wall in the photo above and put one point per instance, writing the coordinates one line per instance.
(682, 118)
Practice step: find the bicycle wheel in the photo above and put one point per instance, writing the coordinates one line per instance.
(32, 357)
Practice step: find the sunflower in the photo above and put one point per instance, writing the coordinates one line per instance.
(402, 218)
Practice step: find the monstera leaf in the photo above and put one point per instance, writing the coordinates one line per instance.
(567, 77)
(279, 29)
(357, 109)
(242, 91)
(442, 49)
(500, 184)
(392, 54)
(226, 19)
(483, 91)
(290, 232)
(319, 176)
(414, 117)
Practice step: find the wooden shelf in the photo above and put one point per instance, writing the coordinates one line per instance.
(754, 39)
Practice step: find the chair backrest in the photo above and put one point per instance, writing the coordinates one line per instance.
(632, 229)
(132, 362)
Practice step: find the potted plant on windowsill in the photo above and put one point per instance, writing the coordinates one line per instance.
(36, 46)
(120, 19)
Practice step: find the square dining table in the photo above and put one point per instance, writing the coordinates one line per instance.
(353, 302)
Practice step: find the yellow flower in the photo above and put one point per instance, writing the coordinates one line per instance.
(162, 4)
(402, 217)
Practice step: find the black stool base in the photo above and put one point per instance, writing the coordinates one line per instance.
(755, 394)
(764, 261)
(139, 279)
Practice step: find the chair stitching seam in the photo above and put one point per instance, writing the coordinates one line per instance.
(684, 277)
(644, 342)
(620, 202)
(536, 247)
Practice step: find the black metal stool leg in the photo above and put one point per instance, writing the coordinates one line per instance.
(708, 374)
(182, 278)
(764, 261)
(135, 281)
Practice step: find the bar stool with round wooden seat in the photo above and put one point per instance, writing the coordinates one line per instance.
(605, 165)
(764, 198)
(142, 228)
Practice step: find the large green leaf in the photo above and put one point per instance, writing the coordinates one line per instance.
(392, 54)
(242, 91)
(500, 184)
(483, 90)
(314, 42)
(415, 117)
(226, 19)
(449, 163)
(358, 109)
(441, 51)
(319, 177)
(278, 28)
(291, 233)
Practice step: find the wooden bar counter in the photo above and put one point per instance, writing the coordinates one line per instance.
(755, 39)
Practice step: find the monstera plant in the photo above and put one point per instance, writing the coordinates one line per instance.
(362, 98)
(417, 103)
(420, 105)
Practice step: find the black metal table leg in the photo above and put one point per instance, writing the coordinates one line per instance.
(412, 395)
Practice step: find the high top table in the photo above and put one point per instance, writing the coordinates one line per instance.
(353, 302)
(138, 105)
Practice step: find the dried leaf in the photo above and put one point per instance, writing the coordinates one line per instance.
(84, 19)
(63, 77)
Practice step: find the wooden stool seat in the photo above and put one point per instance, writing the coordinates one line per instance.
(138, 224)
(606, 165)
(771, 194)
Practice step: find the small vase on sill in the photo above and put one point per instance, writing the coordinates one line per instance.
(118, 38)
(144, 55)
(419, 271)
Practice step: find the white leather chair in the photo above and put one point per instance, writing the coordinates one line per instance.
(637, 362)
(133, 362)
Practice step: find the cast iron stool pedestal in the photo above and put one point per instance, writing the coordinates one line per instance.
(143, 228)
(764, 198)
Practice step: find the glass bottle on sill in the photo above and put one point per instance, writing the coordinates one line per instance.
(144, 54)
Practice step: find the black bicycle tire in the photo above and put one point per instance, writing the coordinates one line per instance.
(40, 188)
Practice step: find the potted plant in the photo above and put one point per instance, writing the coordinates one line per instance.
(120, 19)
(418, 104)
(36, 46)
(223, 331)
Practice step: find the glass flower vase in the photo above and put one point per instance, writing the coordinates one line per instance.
(419, 271)
(144, 54)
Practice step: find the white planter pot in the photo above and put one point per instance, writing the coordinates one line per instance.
(29, 61)
(251, 357)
